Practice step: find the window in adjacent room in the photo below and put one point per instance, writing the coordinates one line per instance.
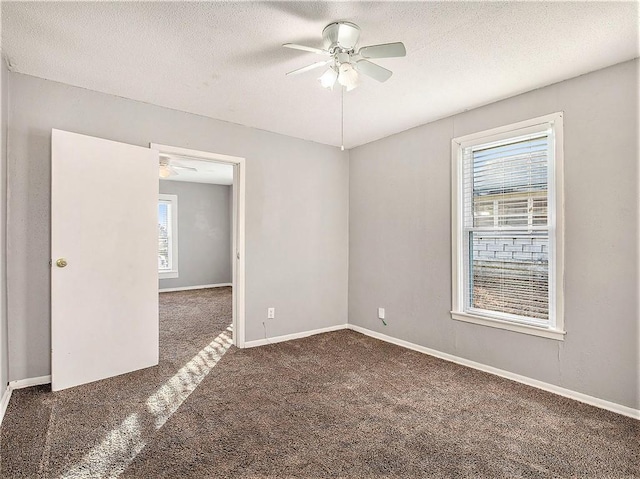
(168, 236)
(507, 227)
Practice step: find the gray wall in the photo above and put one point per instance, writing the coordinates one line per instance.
(296, 210)
(4, 346)
(400, 238)
(204, 233)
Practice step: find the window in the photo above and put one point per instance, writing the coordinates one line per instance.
(507, 227)
(168, 236)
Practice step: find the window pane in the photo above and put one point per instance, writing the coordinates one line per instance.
(513, 212)
(519, 209)
(484, 213)
(507, 183)
(512, 167)
(510, 273)
(164, 236)
(539, 211)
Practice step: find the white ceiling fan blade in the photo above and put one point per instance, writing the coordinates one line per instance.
(185, 167)
(169, 165)
(295, 46)
(374, 71)
(172, 171)
(385, 50)
(308, 67)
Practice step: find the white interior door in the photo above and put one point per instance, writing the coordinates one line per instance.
(104, 225)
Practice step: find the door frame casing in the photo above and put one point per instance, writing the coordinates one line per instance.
(238, 279)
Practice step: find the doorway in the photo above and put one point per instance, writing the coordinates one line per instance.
(183, 162)
(104, 238)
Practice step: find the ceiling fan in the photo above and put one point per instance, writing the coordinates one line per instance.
(168, 167)
(345, 62)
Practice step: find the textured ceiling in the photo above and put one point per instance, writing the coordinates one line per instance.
(224, 59)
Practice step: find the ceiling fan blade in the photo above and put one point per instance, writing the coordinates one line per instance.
(304, 48)
(172, 171)
(385, 50)
(374, 71)
(308, 67)
(185, 167)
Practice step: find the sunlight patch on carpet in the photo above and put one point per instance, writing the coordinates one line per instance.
(111, 457)
(114, 454)
(174, 392)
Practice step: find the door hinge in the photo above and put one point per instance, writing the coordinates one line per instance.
(238, 254)
(50, 262)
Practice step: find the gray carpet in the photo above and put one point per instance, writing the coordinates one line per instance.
(336, 405)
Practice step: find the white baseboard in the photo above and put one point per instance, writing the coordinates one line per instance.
(27, 383)
(568, 393)
(189, 288)
(19, 384)
(4, 403)
(289, 337)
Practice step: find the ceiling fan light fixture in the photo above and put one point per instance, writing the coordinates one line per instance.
(348, 76)
(328, 78)
(165, 171)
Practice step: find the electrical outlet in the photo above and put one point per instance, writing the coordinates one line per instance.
(271, 313)
(380, 313)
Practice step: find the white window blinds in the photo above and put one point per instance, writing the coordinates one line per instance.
(506, 227)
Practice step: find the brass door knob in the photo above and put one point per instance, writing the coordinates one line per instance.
(61, 263)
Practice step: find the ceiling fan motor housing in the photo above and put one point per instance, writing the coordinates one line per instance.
(344, 35)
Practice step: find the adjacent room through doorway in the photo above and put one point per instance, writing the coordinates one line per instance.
(195, 251)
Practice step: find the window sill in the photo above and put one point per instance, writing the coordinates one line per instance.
(556, 334)
(167, 274)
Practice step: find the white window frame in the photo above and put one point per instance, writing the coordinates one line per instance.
(173, 246)
(554, 329)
